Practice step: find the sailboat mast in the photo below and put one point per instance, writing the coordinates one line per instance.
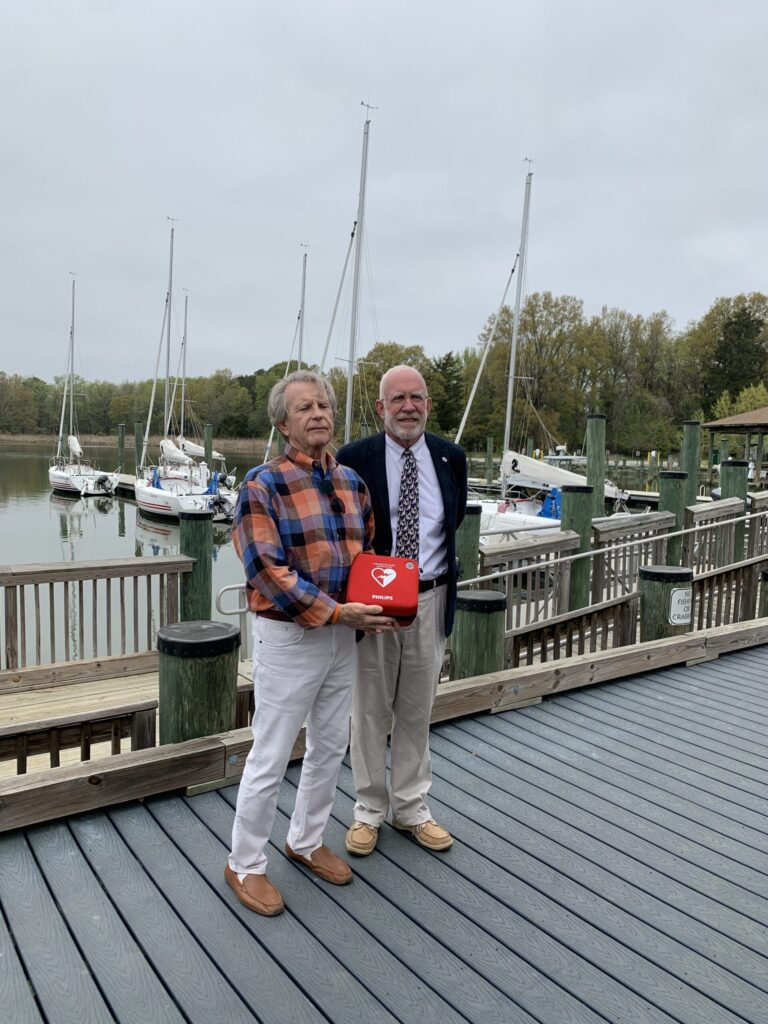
(166, 410)
(301, 311)
(183, 368)
(516, 319)
(359, 235)
(72, 364)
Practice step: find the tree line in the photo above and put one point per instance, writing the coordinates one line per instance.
(642, 375)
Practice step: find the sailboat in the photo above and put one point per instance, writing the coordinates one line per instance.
(521, 474)
(69, 473)
(178, 483)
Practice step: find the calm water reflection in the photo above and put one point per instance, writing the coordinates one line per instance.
(38, 526)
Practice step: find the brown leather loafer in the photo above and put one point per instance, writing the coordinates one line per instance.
(256, 892)
(361, 838)
(427, 834)
(325, 864)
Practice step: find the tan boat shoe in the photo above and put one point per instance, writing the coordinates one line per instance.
(361, 838)
(256, 892)
(427, 834)
(325, 864)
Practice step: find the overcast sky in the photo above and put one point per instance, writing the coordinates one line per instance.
(646, 123)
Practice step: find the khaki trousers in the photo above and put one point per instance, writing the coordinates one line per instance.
(397, 681)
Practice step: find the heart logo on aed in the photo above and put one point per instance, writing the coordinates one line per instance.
(383, 576)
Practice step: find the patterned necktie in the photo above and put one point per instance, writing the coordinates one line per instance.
(407, 545)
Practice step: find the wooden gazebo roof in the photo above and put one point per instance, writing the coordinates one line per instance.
(753, 422)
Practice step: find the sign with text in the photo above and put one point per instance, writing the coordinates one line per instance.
(680, 606)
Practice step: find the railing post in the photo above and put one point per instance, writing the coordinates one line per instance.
(120, 447)
(666, 601)
(477, 641)
(596, 461)
(762, 610)
(468, 543)
(197, 679)
(733, 484)
(577, 516)
(673, 487)
(196, 542)
(689, 460)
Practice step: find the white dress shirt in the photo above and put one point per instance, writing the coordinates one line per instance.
(433, 559)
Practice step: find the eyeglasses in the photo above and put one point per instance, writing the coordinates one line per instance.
(337, 505)
(400, 398)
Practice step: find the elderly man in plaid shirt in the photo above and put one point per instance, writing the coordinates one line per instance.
(300, 520)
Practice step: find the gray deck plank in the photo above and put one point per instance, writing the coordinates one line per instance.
(550, 729)
(532, 925)
(198, 988)
(206, 913)
(66, 992)
(696, 777)
(699, 708)
(746, 773)
(732, 787)
(199, 827)
(430, 957)
(653, 796)
(579, 825)
(663, 923)
(127, 980)
(15, 991)
(733, 746)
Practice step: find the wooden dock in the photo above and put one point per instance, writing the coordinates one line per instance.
(610, 865)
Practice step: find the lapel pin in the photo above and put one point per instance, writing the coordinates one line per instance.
(445, 459)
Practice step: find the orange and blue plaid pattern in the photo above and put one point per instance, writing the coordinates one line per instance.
(296, 550)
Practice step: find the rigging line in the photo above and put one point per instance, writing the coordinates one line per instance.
(271, 437)
(154, 384)
(480, 368)
(338, 297)
(371, 294)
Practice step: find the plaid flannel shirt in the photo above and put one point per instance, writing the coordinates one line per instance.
(297, 552)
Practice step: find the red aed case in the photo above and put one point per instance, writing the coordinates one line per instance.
(392, 583)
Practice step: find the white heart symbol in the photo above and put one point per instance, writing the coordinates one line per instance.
(383, 576)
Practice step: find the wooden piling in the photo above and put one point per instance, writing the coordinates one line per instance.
(673, 486)
(477, 641)
(197, 679)
(577, 516)
(468, 543)
(690, 459)
(489, 461)
(733, 484)
(197, 542)
(120, 447)
(666, 601)
(596, 462)
(138, 445)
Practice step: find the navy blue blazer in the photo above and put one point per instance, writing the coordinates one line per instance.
(368, 459)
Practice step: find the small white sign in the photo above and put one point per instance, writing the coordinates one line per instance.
(680, 605)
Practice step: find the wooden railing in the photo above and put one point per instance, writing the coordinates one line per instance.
(539, 590)
(62, 612)
(728, 594)
(621, 545)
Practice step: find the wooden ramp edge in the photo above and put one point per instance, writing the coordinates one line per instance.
(57, 792)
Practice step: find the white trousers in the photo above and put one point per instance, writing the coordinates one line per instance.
(298, 675)
(397, 682)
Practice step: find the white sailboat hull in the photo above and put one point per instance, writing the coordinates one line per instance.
(176, 495)
(81, 479)
(522, 471)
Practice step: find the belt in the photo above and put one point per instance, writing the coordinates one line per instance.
(431, 584)
(273, 613)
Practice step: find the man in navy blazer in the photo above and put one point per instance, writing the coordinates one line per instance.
(399, 672)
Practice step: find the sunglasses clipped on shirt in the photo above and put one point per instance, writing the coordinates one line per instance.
(337, 505)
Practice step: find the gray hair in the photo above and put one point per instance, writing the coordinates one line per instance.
(396, 369)
(277, 409)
